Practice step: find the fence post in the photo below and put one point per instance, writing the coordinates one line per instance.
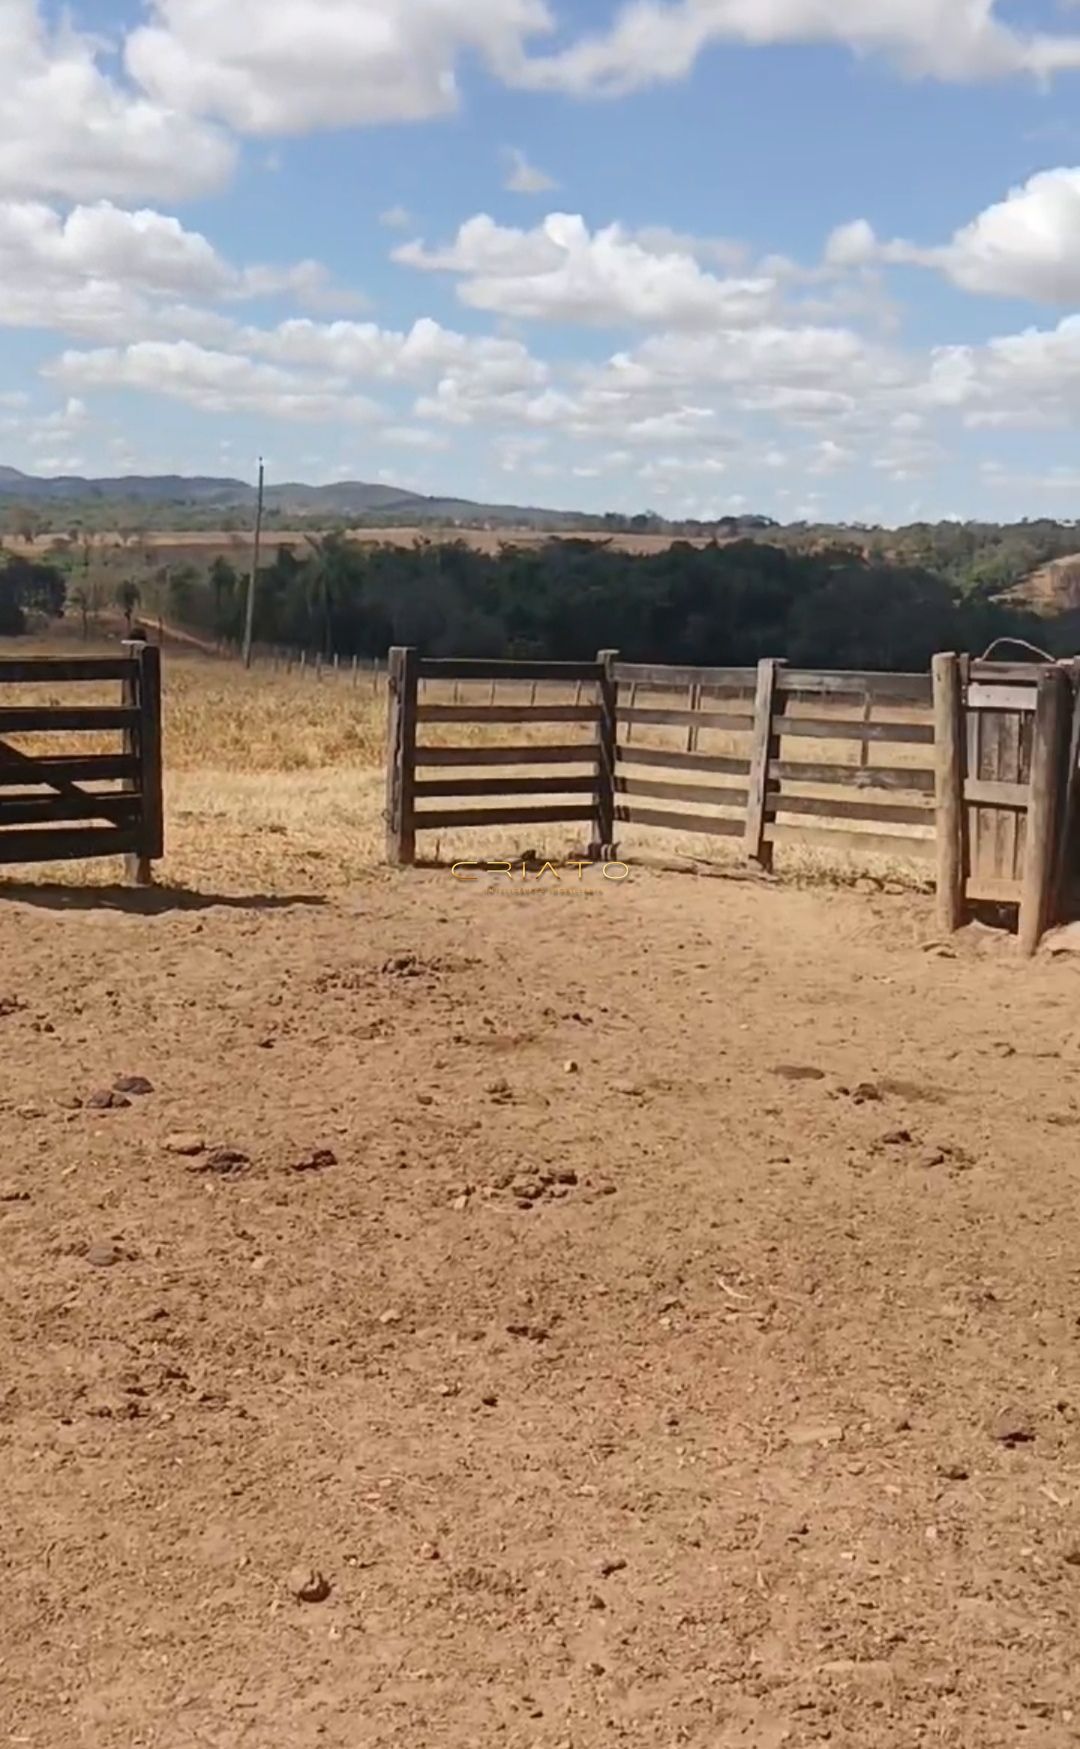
(756, 847)
(1040, 855)
(606, 738)
(949, 768)
(401, 757)
(142, 742)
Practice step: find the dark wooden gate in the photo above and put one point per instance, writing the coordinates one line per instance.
(1007, 757)
(61, 802)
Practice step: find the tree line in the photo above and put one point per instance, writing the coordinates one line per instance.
(726, 603)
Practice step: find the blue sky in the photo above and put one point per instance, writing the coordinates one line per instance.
(816, 258)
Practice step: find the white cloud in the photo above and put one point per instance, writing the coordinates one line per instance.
(213, 381)
(1025, 246)
(653, 41)
(67, 129)
(396, 218)
(562, 272)
(297, 66)
(103, 273)
(525, 178)
(415, 437)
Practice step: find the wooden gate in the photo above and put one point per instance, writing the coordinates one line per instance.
(1006, 759)
(52, 803)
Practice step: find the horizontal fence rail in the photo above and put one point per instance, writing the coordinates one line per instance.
(53, 806)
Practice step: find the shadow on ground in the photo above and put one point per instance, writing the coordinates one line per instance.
(150, 901)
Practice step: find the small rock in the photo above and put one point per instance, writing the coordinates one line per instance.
(615, 1564)
(429, 1552)
(490, 1401)
(628, 1089)
(1012, 1428)
(595, 1669)
(388, 1318)
(897, 1138)
(953, 1472)
(137, 1084)
(104, 1253)
(797, 1072)
(570, 1067)
(223, 1162)
(107, 1099)
(500, 1090)
(866, 1093)
(566, 1176)
(188, 1145)
(13, 1193)
(816, 1433)
(308, 1585)
(930, 1157)
(318, 1161)
(29, 1111)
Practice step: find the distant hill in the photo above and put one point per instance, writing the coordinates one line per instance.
(344, 498)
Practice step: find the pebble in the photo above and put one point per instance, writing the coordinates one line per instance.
(103, 1254)
(317, 1161)
(133, 1084)
(13, 1193)
(429, 1552)
(308, 1585)
(570, 1067)
(389, 1318)
(30, 1111)
(225, 1162)
(107, 1099)
(610, 1567)
(628, 1089)
(185, 1144)
(1012, 1427)
(795, 1072)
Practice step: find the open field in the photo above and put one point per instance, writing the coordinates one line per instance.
(651, 1308)
(204, 545)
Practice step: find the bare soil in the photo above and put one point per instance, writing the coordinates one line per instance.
(633, 1314)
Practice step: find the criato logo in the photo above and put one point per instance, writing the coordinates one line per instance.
(559, 872)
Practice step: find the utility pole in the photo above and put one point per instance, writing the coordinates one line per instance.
(249, 626)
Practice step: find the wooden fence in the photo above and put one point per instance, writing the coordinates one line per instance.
(971, 770)
(65, 803)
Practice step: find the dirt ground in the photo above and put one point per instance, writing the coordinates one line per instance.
(652, 1309)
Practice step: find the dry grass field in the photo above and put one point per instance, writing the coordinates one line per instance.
(560, 1318)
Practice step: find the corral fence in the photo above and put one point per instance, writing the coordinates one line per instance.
(63, 794)
(970, 769)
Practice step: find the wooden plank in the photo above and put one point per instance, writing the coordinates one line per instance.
(120, 809)
(34, 719)
(896, 688)
(1044, 812)
(65, 768)
(899, 846)
(565, 673)
(757, 850)
(67, 843)
(983, 697)
(689, 719)
(676, 679)
(1071, 802)
(840, 729)
(606, 743)
(703, 793)
(505, 786)
(402, 716)
(1008, 673)
(862, 777)
(826, 808)
(148, 697)
(585, 753)
(449, 820)
(711, 825)
(47, 670)
(508, 713)
(988, 891)
(949, 825)
(990, 793)
(676, 760)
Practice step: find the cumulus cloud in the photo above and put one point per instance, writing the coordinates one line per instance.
(103, 272)
(562, 272)
(363, 349)
(1025, 246)
(297, 66)
(68, 129)
(211, 380)
(653, 41)
(525, 178)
